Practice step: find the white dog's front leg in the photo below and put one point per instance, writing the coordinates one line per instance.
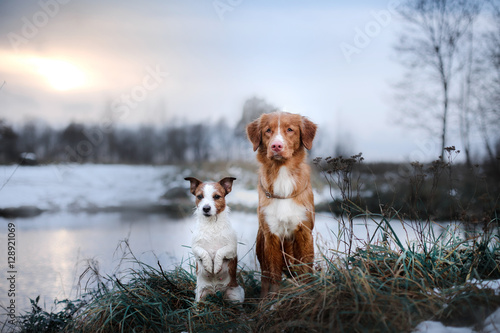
(202, 255)
(225, 252)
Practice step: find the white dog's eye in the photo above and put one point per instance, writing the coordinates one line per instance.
(200, 197)
(217, 197)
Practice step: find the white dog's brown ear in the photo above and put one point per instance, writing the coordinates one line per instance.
(307, 132)
(227, 184)
(254, 134)
(194, 184)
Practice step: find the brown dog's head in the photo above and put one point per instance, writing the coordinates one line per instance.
(210, 197)
(281, 134)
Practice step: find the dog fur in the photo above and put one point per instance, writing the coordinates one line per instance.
(286, 200)
(214, 242)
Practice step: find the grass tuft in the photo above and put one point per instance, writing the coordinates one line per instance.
(154, 300)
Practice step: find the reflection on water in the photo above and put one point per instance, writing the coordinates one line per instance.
(53, 249)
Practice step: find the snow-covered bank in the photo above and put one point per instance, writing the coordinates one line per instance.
(107, 188)
(81, 187)
(490, 325)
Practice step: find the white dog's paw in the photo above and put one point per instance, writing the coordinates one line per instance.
(235, 294)
(207, 264)
(217, 266)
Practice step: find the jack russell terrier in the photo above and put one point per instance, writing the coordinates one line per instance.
(214, 241)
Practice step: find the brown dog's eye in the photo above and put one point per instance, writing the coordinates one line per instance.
(268, 130)
(199, 197)
(290, 130)
(217, 197)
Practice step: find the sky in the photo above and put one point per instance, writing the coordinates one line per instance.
(159, 61)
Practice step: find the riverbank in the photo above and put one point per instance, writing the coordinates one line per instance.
(386, 285)
(437, 191)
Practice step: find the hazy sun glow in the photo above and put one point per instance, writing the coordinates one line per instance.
(60, 74)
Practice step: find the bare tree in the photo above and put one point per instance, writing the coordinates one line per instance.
(430, 48)
(222, 141)
(488, 92)
(177, 144)
(464, 101)
(252, 109)
(8, 143)
(198, 136)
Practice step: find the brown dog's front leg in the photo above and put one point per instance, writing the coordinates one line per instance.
(303, 249)
(261, 256)
(274, 263)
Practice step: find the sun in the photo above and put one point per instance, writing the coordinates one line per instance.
(59, 74)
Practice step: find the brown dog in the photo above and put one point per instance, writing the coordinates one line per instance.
(286, 201)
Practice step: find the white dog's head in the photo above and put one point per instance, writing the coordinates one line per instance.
(210, 197)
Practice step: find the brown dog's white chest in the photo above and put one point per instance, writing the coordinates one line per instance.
(283, 216)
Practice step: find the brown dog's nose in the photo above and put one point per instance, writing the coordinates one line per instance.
(277, 146)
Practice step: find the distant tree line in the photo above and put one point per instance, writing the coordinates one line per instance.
(146, 144)
(174, 143)
(177, 142)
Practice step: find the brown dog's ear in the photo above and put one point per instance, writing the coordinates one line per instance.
(307, 132)
(227, 184)
(194, 184)
(254, 134)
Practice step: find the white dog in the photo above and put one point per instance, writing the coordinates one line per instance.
(214, 241)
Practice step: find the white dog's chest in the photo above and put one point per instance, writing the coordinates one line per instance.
(212, 239)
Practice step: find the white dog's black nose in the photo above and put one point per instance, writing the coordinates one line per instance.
(206, 209)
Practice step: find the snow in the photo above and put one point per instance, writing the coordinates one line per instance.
(490, 284)
(28, 156)
(490, 325)
(73, 188)
(437, 327)
(70, 187)
(245, 197)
